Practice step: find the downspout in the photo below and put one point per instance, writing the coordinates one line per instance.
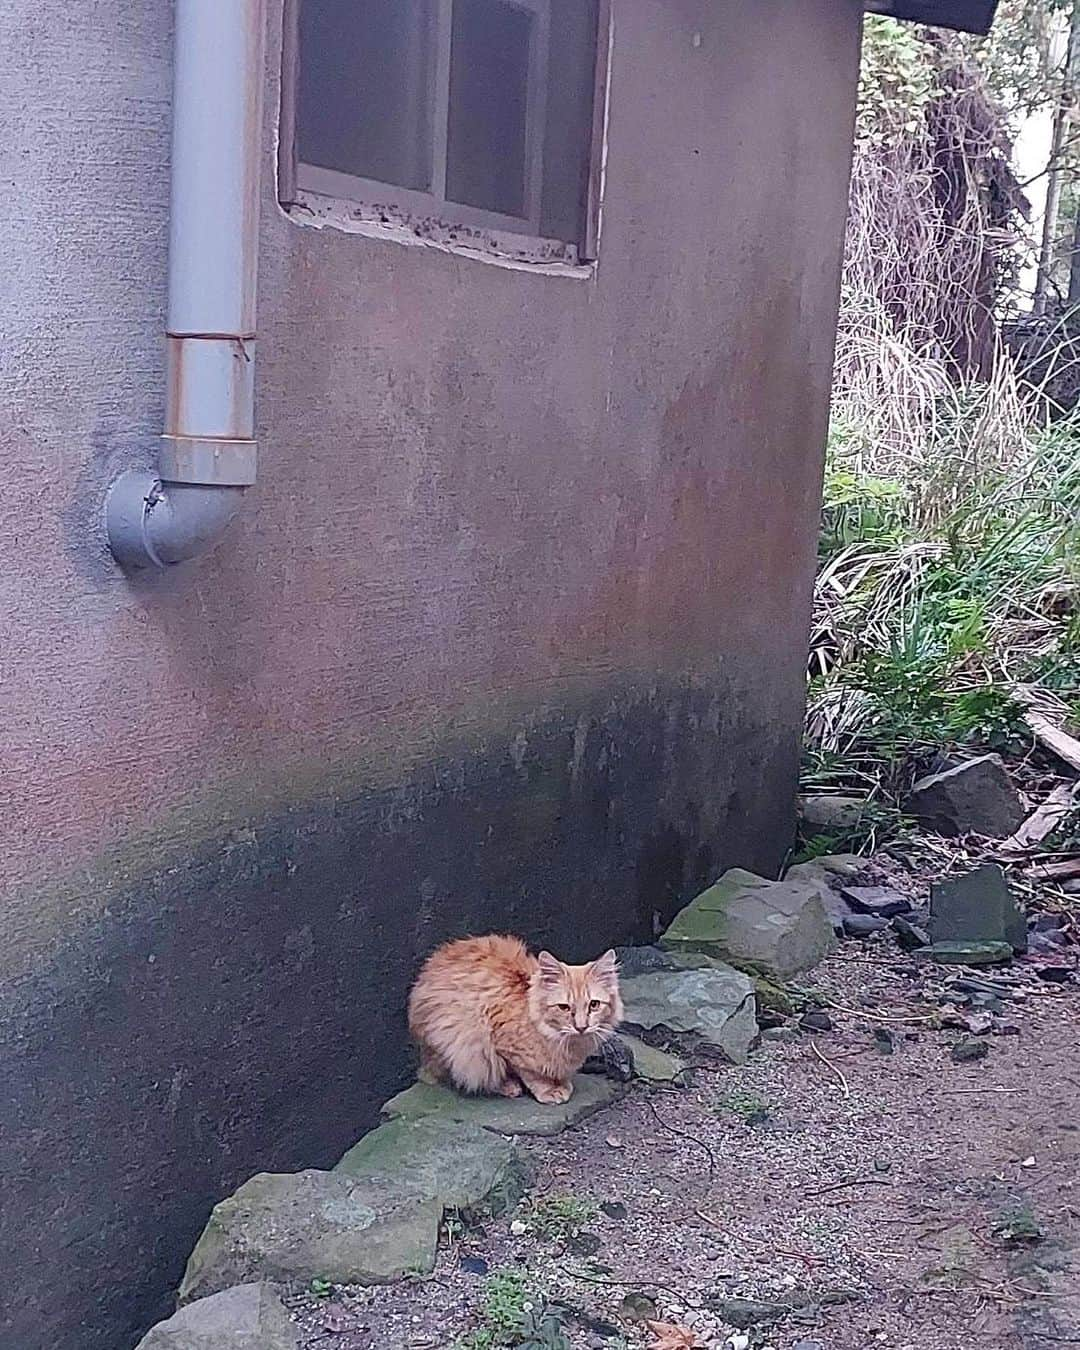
(207, 455)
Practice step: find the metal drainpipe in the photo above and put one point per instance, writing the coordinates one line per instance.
(208, 452)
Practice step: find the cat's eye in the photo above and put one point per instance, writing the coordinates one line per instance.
(594, 1004)
(563, 1007)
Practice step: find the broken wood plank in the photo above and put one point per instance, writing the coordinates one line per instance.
(1042, 821)
(1056, 871)
(1045, 731)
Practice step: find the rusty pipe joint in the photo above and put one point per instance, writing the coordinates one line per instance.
(207, 454)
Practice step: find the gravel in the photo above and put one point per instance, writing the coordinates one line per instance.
(862, 1193)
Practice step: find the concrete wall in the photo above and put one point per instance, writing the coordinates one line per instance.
(510, 634)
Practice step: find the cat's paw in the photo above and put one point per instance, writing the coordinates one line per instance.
(510, 1087)
(553, 1094)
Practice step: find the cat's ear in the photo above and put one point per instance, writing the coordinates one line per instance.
(605, 969)
(551, 970)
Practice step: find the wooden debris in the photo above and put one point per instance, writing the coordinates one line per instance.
(1042, 821)
(1046, 732)
(1056, 871)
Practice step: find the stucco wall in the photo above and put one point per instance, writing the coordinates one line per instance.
(510, 633)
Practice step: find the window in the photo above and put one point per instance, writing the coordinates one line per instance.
(470, 121)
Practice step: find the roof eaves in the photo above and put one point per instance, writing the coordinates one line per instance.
(969, 16)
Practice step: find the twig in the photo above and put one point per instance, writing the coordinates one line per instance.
(641, 1283)
(970, 1092)
(683, 1134)
(832, 1068)
(754, 1246)
(878, 1017)
(843, 1185)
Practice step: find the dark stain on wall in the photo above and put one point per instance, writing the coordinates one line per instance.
(244, 1010)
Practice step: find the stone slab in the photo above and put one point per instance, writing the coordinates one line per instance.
(462, 1166)
(970, 953)
(716, 1003)
(778, 929)
(977, 906)
(300, 1226)
(653, 1065)
(510, 1116)
(244, 1317)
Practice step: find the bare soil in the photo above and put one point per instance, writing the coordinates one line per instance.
(899, 1200)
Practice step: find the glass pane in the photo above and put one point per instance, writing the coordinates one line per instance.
(486, 149)
(365, 89)
(568, 136)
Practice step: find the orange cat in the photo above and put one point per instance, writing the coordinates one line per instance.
(489, 1017)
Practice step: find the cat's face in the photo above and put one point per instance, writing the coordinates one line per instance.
(578, 1000)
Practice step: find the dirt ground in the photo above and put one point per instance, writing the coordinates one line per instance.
(901, 1200)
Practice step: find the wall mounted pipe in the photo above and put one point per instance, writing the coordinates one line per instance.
(207, 455)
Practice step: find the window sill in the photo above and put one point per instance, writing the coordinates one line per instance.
(515, 251)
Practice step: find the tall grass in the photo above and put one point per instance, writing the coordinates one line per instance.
(948, 575)
(949, 567)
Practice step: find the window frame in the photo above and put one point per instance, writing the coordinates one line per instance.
(429, 214)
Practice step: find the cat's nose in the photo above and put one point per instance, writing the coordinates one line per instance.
(579, 1027)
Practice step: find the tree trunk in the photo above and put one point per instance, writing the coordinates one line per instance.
(1074, 264)
(1054, 181)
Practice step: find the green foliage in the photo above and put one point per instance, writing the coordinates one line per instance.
(516, 1315)
(896, 81)
(939, 588)
(749, 1108)
(562, 1216)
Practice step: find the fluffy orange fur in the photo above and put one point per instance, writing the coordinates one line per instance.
(488, 1017)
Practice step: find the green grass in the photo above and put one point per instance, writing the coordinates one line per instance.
(751, 1109)
(515, 1314)
(945, 579)
(562, 1215)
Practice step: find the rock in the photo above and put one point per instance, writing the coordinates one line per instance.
(461, 1166)
(815, 1021)
(884, 1040)
(313, 1225)
(864, 925)
(773, 997)
(977, 907)
(1051, 943)
(637, 1307)
(966, 1051)
(656, 1066)
(584, 1244)
(641, 961)
(976, 797)
(970, 953)
(614, 1210)
(910, 936)
(615, 1060)
(832, 867)
(773, 928)
(473, 1265)
(716, 1003)
(748, 1312)
(244, 1317)
(881, 901)
(1055, 974)
(985, 987)
(780, 1034)
(827, 813)
(1049, 923)
(519, 1115)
